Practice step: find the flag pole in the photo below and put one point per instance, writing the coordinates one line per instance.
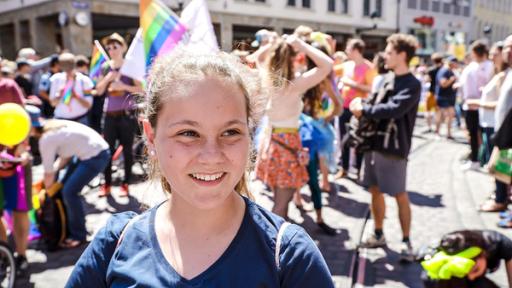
(100, 48)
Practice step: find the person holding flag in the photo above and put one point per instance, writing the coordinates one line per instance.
(70, 92)
(121, 117)
(98, 61)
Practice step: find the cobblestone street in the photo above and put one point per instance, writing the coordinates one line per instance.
(443, 198)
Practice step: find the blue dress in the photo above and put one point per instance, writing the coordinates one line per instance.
(138, 261)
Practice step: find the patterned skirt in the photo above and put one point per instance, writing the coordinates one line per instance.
(278, 167)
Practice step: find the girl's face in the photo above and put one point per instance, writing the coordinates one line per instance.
(202, 142)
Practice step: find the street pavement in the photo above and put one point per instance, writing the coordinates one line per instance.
(443, 198)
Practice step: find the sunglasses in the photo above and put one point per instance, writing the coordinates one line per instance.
(112, 47)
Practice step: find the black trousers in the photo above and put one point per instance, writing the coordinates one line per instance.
(96, 113)
(344, 119)
(120, 128)
(472, 123)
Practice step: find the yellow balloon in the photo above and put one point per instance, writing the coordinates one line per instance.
(14, 124)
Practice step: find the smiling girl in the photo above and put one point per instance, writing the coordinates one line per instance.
(201, 114)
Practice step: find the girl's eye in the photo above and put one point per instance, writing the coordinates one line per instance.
(189, 133)
(231, 132)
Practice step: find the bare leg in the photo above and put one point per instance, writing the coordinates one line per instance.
(3, 231)
(21, 230)
(378, 206)
(404, 212)
(439, 116)
(325, 174)
(450, 114)
(282, 197)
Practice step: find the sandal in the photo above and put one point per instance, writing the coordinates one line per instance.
(327, 229)
(71, 243)
(505, 223)
(492, 207)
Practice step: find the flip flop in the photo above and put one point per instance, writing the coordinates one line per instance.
(505, 223)
(71, 243)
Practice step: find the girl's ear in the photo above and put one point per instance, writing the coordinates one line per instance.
(150, 134)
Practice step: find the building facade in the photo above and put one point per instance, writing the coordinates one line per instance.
(452, 23)
(491, 20)
(51, 25)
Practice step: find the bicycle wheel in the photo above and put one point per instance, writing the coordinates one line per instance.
(7, 266)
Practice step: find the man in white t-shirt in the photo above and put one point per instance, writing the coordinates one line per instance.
(70, 92)
(474, 77)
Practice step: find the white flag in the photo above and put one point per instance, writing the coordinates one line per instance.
(197, 19)
(134, 65)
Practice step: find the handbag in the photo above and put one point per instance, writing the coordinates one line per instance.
(500, 165)
(302, 154)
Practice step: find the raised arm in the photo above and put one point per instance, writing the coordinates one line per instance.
(314, 76)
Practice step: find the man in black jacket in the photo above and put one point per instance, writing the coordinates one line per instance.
(385, 166)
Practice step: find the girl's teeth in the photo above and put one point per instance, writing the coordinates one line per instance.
(207, 177)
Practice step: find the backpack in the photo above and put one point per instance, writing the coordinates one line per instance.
(51, 217)
(363, 131)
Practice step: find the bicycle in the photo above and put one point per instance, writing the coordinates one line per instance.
(7, 266)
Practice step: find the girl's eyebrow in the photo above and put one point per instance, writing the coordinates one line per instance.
(196, 124)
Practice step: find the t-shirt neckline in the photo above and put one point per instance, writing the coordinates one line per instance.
(197, 280)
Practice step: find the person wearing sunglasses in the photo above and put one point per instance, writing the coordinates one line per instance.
(120, 119)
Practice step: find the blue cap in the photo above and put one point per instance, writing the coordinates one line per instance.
(35, 115)
(452, 58)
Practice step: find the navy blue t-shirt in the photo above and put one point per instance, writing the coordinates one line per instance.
(249, 261)
(447, 93)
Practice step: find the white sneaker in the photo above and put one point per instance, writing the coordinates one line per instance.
(373, 242)
(475, 166)
(406, 252)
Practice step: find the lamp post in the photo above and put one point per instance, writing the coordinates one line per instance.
(373, 16)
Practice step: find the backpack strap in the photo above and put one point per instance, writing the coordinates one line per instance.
(126, 227)
(279, 239)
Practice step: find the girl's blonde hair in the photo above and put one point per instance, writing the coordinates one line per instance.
(173, 74)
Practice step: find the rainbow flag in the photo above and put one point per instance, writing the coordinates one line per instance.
(68, 90)
(98, 57)
(162, 30)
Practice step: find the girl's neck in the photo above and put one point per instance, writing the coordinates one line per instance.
(189, 219)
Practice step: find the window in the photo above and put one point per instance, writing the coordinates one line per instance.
(456, 9)
(344, 6)
(378, 7)
(366, 8)
(424, 5)
(370, 6)
(466, 11)
(306, 3)
(446, 7)
(436, 6)
(291, 3)
(331, 5)
(411, 4)
(263, 1)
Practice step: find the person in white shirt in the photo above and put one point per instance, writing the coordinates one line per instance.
(473, 78)
(80, 86)
(84, 153)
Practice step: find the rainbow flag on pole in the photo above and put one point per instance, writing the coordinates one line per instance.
(162, 30)
(68, 90)
(98, 57)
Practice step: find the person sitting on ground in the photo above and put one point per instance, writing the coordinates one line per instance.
(63, 142)
(201, 115)
(485, 250)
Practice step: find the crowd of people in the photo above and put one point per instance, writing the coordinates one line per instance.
(324, 112)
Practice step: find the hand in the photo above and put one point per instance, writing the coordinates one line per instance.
(294, 41)
(349, 82)
(356, 107)
(111, 76)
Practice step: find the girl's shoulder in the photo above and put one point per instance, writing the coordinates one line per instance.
(269, 224)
